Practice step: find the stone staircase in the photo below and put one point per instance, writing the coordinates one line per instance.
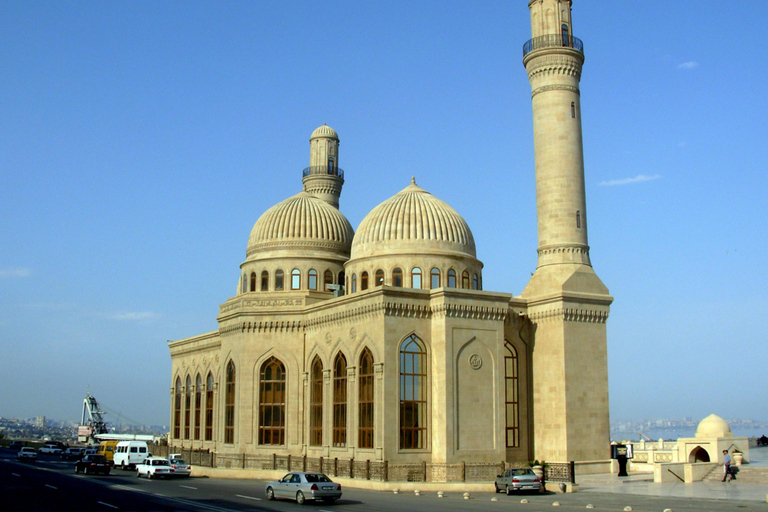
(747, 474)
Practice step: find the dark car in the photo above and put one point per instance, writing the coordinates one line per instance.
(91, 464)
(16, 445)
(73, 453)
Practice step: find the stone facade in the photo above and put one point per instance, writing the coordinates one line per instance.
(384, 345)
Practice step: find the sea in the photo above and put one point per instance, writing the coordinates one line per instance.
(673, 433)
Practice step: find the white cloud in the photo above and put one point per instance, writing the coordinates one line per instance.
(691, 64)
(134, 316)
(629, 181)
(10, 273)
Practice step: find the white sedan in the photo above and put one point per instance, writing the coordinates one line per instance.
(154, 467)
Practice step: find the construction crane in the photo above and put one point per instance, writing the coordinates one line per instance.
(92, 422)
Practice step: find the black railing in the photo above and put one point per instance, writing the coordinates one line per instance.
(322, 169)
(553, 41)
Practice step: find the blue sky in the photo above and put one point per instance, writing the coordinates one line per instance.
(140, 142)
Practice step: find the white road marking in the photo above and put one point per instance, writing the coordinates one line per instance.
(248, 497)
(51, 487)
(106, 504)
(188, 487)
(16, 474)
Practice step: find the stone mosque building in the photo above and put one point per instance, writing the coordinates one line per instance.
(386, 343)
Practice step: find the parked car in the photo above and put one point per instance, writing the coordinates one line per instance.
(16, 445)
(518, 479)
(91, 464)
(304, 486)
(27, 453)
(50, 448)
(154, 467)
(180, 467)
(73, 453)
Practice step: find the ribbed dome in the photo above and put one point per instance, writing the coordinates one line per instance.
(713, 426)
(324, 131)
(416, 221)
(302, 220)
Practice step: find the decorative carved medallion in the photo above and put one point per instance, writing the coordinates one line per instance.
(352, 334)
(328, 338)
(475, 361)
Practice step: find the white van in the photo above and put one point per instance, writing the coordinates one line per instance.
(129, 453)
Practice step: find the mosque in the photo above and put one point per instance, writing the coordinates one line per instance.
(386, 343)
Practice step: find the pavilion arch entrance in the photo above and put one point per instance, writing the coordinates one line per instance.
(699, 454)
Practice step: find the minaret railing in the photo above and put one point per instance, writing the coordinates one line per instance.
(321, 169)
(553, 41)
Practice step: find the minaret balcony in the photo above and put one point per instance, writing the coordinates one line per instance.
(553, 41)
(316, 170)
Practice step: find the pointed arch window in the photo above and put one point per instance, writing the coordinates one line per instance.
(327, 279)
(512, 395)
(364, 281)
(465, 280)
(187, 406)
(316, 403)
(354, 283)
(312, 279)
(379, 280)
(265, 281)
(295, 279)
(475, 282)
(416, 278)
(397, 277)
(413, 394)
(198, 405)
(209, 408)
(434, 278)
(566, 37)
(253, 281)
(244, 287)
(272, 402)
(229, 405)
(279, 275)
(365, 401)
(451, 278)
(177, 409)
(340, 401)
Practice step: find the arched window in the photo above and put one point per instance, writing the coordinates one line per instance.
(566, 38)
(512, 394)
(451, 278)
(198, 405)
(209, 408)
(316, 403)
(364, 281)
(475, 282)
(253, 281)
(295, 279)
(244, 287)
(229, 405)
(379, 279)
(365, 401)
(187, 406)
(272, 402)
(465, 280)
(354, 283)
(416, 278)
(279, 280)
(434, 277)
(177, 409)
(341, 278)
(265, 281)
(330, 165)
(578, 219)
(397, 277)
(340, 401)
(413, 394)
(312, 279)
(327, 279)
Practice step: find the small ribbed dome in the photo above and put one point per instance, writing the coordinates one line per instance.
(304, 220)
(713, 426)
(324, 131)
(413, 220)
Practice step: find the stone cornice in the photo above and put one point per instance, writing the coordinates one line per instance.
(340, 247)
(262, 326)
(579, 315)
(554, 64)
(205, 341)
(546, 88)
(469, 311)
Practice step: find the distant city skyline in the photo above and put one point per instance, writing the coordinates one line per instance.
(138, 140)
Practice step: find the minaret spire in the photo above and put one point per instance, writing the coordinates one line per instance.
(568, 305)
(323, 178)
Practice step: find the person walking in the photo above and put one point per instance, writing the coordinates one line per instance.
(726, 465)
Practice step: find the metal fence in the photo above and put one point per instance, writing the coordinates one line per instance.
(382, 471)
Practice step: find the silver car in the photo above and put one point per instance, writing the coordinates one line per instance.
(518, 479)
(304, 486)
(180, 468)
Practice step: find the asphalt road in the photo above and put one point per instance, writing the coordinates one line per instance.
(51, 485)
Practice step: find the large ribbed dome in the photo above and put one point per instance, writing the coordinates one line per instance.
(301, 220)
(413, 220)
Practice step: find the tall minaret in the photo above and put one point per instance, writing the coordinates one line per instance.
(323, 178)
(568, 305)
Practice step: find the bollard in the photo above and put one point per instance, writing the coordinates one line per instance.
(466, 495)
